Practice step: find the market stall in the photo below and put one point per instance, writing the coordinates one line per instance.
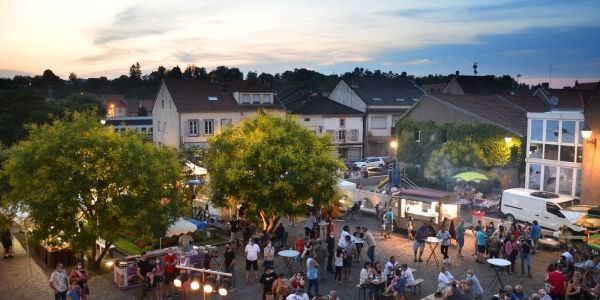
(424, 206)
(124, 270)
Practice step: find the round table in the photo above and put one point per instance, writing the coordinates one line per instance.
(287, 255)
(433, 243)
(498, 264)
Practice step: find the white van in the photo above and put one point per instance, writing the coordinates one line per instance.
(552, 211)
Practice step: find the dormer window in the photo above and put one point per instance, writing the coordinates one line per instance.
(212, 98)
(256, 99)
(245, 98)
(377, 99)
(266, 99)
(400, 100)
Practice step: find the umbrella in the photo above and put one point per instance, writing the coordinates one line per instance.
(181, 226)
(470, 176)
(199, 224)
(588, 221)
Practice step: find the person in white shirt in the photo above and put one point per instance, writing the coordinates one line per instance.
(389, 267)
(364, 274)
(299, 294)
(568, 256)
(408, 275)
(444, 279)
(251, 253)
(345, 232)
(444, 235)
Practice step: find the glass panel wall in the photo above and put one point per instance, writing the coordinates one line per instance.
(535, 176)
(565, 181)
(549, 183)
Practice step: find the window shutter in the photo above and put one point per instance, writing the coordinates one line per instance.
(201, 127)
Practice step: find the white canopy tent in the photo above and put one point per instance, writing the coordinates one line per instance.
(180, 227)
(347, 184)
(194, 169)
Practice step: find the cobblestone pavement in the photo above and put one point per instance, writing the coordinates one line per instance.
(26, 280)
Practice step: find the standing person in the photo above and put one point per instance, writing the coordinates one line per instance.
(186, 242)
(476, 229)
(349, 254)
(525, 251)
(280, 236)
(339, 265)
(234, 227)
(251, 253)
(342, 244)
(557, 282)
(359, 235)
(370, 241)
(310, 225)
(444, 235)
(312, 274)
(494, 245)
(7, 244)
(460, 238)
(388, 223)
(330, 252)
(268, 255)
(158, 278)
(511, 250)
(229, 262)
(215, 262)
(143, 270)
(170, 260)
(266, 281)
(536, 233)
(59, 282)
(480, 242)
(419, 242)
(411, 229)
(79, 276)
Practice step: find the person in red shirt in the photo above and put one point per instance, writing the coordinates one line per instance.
(170, 261)
(557, 282)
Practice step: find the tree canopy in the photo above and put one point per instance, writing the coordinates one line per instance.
(274, 166)
(81, 181)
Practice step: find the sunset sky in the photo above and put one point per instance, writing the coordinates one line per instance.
(103, 38)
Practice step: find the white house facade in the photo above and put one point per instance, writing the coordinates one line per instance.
(383, 101)
(187, 113)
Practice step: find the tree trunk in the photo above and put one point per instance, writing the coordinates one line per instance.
(268, 220)
(97, 260)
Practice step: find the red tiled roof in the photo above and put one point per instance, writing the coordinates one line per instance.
(586, 85)
(434, 88)
(568, 98)
(493, 108)
(192, 95)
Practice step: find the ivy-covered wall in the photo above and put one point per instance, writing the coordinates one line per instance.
(486, 143)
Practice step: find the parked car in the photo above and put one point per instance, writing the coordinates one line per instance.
(370, 162)
(552, 211)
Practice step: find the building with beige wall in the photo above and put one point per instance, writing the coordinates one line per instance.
(188, 112)
(590, 169)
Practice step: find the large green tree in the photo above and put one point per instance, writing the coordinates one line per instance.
(274, 166)
(80, 181)
(453, 157)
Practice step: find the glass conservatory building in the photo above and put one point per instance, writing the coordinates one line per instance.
(554, 151)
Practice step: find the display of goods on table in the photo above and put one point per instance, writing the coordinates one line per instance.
(125, 270)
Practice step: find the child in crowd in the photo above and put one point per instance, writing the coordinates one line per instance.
(339, 265)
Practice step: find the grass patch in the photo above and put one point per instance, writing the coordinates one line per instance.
(127, 247)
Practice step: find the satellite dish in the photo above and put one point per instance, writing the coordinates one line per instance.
(553, 100)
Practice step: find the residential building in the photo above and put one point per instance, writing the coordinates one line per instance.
(115, 104)
(187, 112)
(142, 124)
(554, 152)
(434, 88)
(590, 164)
(382, 101)
(506, 112)
(325, 116)
(137, 106)
(465, 85)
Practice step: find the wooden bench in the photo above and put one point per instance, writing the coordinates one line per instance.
(417, 284)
